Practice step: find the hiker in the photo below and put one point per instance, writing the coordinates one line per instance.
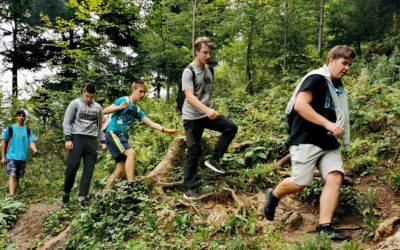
(82, 124)
(14, 151)
(197, 115)
(123, 112)
(319, 113)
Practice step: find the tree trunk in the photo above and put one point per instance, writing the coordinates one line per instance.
(285, 34)
(321, 28)
(193, 25)
(15, 60)
(249, 67)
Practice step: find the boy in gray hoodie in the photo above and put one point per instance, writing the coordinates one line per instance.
(82, 126)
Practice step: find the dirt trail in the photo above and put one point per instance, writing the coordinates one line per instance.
(29, 225)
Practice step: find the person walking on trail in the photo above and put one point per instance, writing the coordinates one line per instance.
(197, 115)
(318, 113)
(123, 112)
(17, 139)
(82, 125)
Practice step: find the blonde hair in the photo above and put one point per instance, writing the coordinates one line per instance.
(139, 83)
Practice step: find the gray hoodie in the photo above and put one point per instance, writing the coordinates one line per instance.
(83, 119)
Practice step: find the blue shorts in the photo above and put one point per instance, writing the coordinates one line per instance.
(117, 144)
(15, 168)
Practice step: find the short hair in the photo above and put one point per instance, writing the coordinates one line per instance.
(20, 112)
(341, 51)
(198, 43)
(138, 83)
(90, 88)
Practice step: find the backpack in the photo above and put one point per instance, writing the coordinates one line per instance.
(109, 117)
(10, 134)
(180, 98)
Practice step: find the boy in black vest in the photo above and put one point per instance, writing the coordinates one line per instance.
(319, 106)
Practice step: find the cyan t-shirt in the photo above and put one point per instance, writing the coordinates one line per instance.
(122, 120)
(18, 148)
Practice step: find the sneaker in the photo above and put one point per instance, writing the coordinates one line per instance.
(83, 200)
(65, 200)
(271, 202)
(191, 193)
(214, 165)
(328, 230)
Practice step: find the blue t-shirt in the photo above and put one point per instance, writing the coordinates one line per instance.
(122, 120)
(18, 148)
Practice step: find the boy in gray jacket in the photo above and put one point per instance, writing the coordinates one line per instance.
(82, 126)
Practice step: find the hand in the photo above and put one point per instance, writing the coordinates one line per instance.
(103, 146)
(212, 114)
(35, 152)
(123, 105)
(69, 145)
(171, 131)
(335, 128)
(3, 160)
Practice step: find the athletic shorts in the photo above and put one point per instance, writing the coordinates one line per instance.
(307, 156)
(15, 168)
(117, 144)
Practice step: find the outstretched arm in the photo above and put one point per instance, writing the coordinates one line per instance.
(159, 127)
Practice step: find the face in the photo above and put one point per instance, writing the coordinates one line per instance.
(339, 67)
(21, 118)
(139, 93)
(204, 54)
(88, 97)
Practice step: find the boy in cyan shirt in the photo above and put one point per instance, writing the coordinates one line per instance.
(14, 151)
(124, 111)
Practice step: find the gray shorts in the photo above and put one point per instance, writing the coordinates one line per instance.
(15, 168)
(307, 156)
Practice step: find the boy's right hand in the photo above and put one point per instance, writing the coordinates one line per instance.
(3, 161)
(69, 145)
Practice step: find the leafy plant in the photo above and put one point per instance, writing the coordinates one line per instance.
(9, 210)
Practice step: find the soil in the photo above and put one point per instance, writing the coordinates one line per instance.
(29, 225)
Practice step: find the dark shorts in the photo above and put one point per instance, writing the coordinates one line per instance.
(117, 144)
(15, 168)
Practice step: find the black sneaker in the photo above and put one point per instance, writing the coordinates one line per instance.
(271, 202)
(65, 200)
(214, 165)
(328, 230)
(191, 193)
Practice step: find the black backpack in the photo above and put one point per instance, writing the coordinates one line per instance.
(10, 134)
(180, 98)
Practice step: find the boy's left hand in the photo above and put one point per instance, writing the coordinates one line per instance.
(172, 131)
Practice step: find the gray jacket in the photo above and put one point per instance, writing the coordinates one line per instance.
(83, 119)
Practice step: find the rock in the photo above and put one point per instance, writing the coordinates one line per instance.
(294, 222)
(218, 214)
(167, 216)
(391, 243)
(386, 228)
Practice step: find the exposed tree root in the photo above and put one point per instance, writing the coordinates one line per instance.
(55, 242)
(192, 205)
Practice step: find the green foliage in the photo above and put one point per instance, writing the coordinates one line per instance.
(108, 221)
(9, 210)
(395, 180)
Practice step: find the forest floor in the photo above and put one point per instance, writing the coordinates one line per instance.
(294, 219)
(29, 225)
